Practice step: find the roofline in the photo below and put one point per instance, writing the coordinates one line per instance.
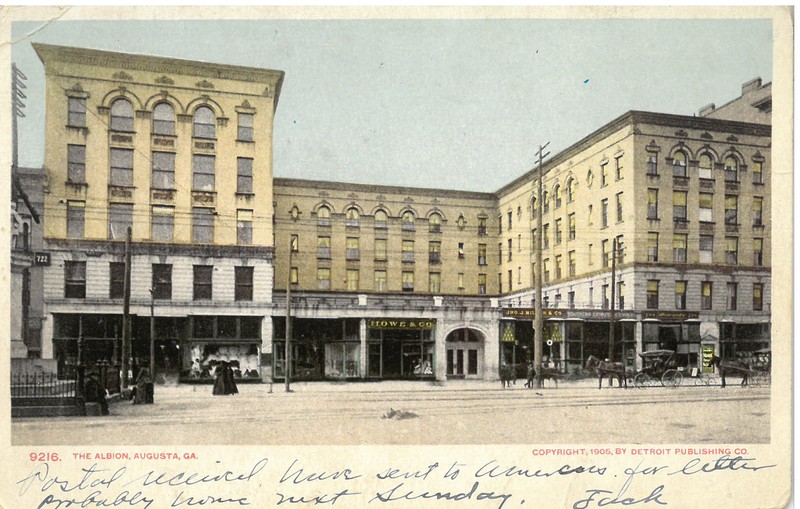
(641, 117)
(48, 53)
(351, 186)
(762, 87)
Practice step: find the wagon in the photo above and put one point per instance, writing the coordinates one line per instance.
(658, 365)
(761, 365)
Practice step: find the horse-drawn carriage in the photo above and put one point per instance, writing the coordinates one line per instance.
(658, 366)
(755, 367)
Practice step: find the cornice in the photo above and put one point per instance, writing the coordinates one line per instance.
(379, 189)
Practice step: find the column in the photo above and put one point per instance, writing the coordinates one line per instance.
(266, 348)
(638, 338)
(362, 334)
(440, 352)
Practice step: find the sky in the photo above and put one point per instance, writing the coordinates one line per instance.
(449, 104)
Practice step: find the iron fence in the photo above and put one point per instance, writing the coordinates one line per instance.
(41, 385)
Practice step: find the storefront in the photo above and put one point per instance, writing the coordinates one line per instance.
(322, 348)
(212, 340)
(400, 348)
(678, 331)
(464, 354)
(739, 341)
(90, 338)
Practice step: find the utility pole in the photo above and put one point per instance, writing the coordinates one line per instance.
(17, 106)
(126, 311)
(288, 349)
(152, 339)
(537, 306)
(611, 326)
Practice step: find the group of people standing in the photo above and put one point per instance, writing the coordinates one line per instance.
(224, 383)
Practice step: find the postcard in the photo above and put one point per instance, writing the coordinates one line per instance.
(491, 257)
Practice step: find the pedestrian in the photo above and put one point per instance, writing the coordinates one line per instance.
(531, 376)
(219, 382)
(140, 390)
(95, 392)
(230, 383)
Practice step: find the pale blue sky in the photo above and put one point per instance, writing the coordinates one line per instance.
(455, 104)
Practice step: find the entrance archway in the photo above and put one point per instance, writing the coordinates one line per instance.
(465, 353)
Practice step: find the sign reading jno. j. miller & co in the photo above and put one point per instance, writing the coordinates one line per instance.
(400, 323)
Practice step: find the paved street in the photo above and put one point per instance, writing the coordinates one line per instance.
(457, 412)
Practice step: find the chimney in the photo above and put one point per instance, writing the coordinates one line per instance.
(751, 85)
(707, 109)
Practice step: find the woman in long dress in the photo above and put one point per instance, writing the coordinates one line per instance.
(230, 384)
(220, 385)
(140, 394)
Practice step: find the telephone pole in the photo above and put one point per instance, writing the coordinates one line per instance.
(126, 312)
(612, 328)
(288, 347)
(537, 305)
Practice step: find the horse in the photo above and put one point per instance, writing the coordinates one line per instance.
(508, 375)
(543, 374)
(731, 367)
(612, 369)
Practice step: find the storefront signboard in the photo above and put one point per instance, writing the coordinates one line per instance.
(671, 315)
(401, 323)
(508, 333)
(708, 353)
(583, 314)
(530, 313)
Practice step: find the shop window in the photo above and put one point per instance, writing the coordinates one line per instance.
(202, 283)
(250, 327)
(116, 278)
(680, 294)
(758, 296)
(120, 218)
(66, 326)
(121, 116)
(163, 174)
(76, 112)
(652, 294)
(226, 327)
(245, 128)
(243, 283)
(76, 164)
(202, 326)
(202, 225)
(121, 173)
(342, 360)
(164, 119)
(162, 281)
(244, 175)
(204, 124)
(74, 280)
(706, 295)
(203, 172)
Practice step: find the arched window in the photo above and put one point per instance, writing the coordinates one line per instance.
(704, 166)
(557, 195)
(679, 164)
(571, 190)
(204, 123)
(533, 207)
(545, 203)
(407, 220)
(352, 216)
(164, 119)
(324, 216)
(435, 223)
(122, 115)
(381, 219)
(731, 169)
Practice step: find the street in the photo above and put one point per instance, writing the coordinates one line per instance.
(457, 412)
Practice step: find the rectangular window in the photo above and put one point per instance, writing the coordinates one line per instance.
(546, 236)
(202, 287)
(731, 209)
(116, 279)
(758, 218)
(481, 284)
(589, 255)
(758, 252)
(500, 224)
(758, 296)
(243, 278)
(590, 216)
(294, 276)
(558, 266)
(244, 175)
(604, 213)
(679, 205)
(500, 282)
(76, 112)
(652, 294)
(294, 243)
(619, 207)
(460, 280)
(571, 300)
(380, 281)
(652, 246)
(244, 227)
(163, 176)
(352, 280)
(621, 295)
(121, 167)
(481, 226)
(680, 294)
(706, 248)
(604, 175)
(652, 204)
(434, 252)
(571, 226)
(76, 164)
(460, 250)
(202, 172)
(351, 249)
(74, 280)
(732, 250)
(604, 253)
(162, 281)
(245, 132)
(324, 248)
(324, 278)
(618, 167)
(732, 290)
(162, 223)
(558, 231)
(758, 173)
(481, 254)
(510, 279)
(380, 250)
(434, 282)
(605, 303)
(500, 252)
(120, 218)
(571, 263)
(706, 208)
(706, 295)
(546, 269)
(652, 164)
(679, 248)
(202, 225)
(408, 281)
(509, 220)
(407, 251)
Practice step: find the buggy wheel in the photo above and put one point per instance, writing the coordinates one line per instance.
(671, 378)
(700, 380)
(641, 380)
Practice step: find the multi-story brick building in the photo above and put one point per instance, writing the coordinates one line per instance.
(181, 153)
